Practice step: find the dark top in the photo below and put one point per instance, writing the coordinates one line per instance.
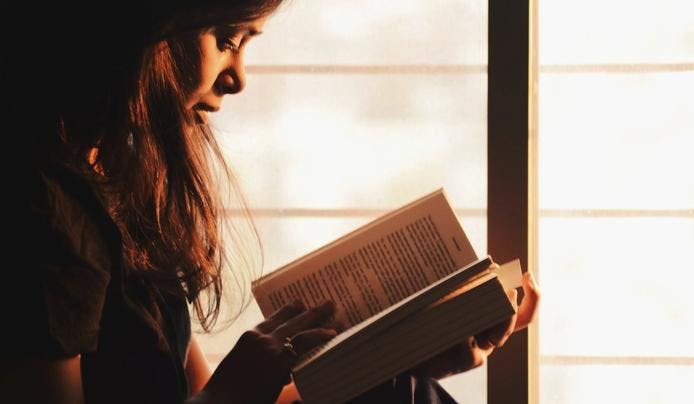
(67, 293)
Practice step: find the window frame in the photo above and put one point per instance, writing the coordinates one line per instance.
(512, 189)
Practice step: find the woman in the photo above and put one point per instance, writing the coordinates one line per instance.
(119, 223)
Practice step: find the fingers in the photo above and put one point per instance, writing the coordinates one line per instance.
(530, 303)
(471, 355)
(499, 339)
(477, 355)
(268, 352)
(495, 337)
(335, 325)
(312, 318)
(281, 316)
(456, 359)
(307, 340)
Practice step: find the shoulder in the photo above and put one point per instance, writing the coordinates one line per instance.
(59, 214)
(61, 257)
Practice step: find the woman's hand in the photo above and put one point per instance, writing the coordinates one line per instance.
(259, 365)
(474, 351)
(531, 301)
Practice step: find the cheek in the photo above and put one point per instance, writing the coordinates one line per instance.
(207, 70)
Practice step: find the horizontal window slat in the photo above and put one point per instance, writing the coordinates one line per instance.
(554, 213)
(570, 213)
(337, 213)
(619, 68)
(617, 360)
(366, 69)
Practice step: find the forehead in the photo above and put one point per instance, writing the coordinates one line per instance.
(253, 27)
(209, 21)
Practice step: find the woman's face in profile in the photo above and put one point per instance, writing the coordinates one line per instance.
(221, 67)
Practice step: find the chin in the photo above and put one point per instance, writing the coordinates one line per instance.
(200, 117)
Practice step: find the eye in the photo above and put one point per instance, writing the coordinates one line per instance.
(233, 44)
(230, 39)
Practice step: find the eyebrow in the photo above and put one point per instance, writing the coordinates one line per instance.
(251, 31)
(254, 32)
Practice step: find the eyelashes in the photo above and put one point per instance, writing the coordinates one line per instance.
(230, 39)
(231, 45)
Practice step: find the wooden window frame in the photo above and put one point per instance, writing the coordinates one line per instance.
(511, 180)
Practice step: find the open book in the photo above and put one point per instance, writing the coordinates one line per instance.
(407, 285)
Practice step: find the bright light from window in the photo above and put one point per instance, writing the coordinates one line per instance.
(617, 200)
(368, 105)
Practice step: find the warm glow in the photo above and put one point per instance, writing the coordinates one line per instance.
(335, 145)
(616, 31)
(616, 231)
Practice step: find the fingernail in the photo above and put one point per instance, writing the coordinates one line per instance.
(331, 332)
(513, 296)
(532, 277)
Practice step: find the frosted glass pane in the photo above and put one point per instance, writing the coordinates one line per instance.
(616, 384)
(616, 31)
(374, 32)
(374, 140)
(616, 141)
(617, 286)
(468, 387)
(368, 141)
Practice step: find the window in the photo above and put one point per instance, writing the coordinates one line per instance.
(616, 199)
(353, 108)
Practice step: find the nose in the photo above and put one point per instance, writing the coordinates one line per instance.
(233, 78)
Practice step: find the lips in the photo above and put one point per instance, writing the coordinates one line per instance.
(205, 107)
(201, 110)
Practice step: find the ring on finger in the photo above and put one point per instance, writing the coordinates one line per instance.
(288, 347)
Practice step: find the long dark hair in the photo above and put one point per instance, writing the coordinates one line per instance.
(112, 108)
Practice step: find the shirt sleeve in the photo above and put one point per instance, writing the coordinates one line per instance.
(58, 274)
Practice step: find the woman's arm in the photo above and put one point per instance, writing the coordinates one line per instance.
(197, 369)
(257, 369)
(41, 381)
(199, 372)
(289, 395)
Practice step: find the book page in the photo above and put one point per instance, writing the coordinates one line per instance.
(375, 266)
(510, 274)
